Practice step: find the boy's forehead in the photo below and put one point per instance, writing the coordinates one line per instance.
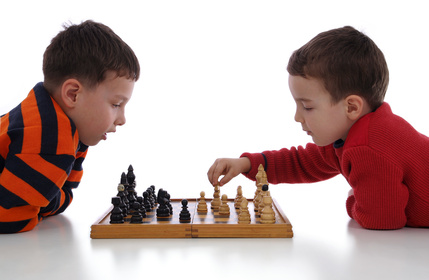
(305, 89)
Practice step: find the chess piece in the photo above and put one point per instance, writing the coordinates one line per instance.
(224, 207)
(267, 213)
(124, 179)
(146, 201)
(215, 204)
(136, 217)
(259, 175)
(257, 198)
(168, 202)
(153, 194)
(263, 193)
(202, 204)
(142, 209)
(121, 189)
(131, 176)
(116, 216)
(238, 198)
(163, 210)
(261, 179)
(185, 215)
(244, 216)
(124, 203)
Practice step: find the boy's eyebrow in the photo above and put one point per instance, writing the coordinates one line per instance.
(303, 99)
(121, 97)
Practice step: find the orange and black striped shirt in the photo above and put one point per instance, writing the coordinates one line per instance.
(40, 161)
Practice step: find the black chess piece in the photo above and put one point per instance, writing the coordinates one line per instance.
(116, 216)
(122, 205)
(160, 196)
(146, 201)
(136, 217)
(185, 215)
(131, 177)
(150, 197)
(168, 202)
(265, 188)
(153, 193)
(142, 208)
(131, 198)
(124, 179)
(163, 210)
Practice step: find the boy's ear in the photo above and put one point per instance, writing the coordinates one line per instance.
(355, 106)
(70, 91)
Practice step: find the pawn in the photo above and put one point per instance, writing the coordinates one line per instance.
(123, 207)
(244, 216)
(238, 198)
(267, 213)
(150, 197)
(224, 207)
(116, 216)
(146, 201)
(170, 207)
(136, 217)
(142, 209)
(202, 204)
(185, 215)
(216, 198)
(153, 193)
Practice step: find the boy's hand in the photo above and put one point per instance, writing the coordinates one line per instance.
(230, 167)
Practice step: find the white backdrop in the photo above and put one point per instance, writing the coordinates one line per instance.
(213, 81)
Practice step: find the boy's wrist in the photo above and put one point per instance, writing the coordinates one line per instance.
(245, 164)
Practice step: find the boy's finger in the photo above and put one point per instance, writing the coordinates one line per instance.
(213, 174)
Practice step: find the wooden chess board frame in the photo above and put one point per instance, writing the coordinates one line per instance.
(205, 225)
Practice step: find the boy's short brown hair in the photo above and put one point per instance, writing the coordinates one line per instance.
(85, 52)
(347, 61)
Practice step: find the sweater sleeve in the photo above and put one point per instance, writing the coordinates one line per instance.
(64, 197)
(32, 186)
(295, 165)
(380, 197)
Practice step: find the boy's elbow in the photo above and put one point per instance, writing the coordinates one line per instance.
(18, 226)
(19, 219)
(382, 222)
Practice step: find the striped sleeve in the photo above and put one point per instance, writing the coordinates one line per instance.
(41, 162)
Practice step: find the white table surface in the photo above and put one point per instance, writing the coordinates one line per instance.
(326, 245)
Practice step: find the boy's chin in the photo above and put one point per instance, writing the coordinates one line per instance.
(89, 142)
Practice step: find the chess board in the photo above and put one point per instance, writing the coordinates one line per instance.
(209, 224)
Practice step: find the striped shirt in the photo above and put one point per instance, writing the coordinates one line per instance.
(40, 161)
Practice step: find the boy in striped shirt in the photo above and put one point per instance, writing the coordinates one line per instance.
(89, 76)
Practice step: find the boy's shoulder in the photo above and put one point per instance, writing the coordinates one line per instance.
(39, 120)
(382, 129)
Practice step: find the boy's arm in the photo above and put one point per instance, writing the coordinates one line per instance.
(295, 165)
(379, 197)
(65, 196)
(32, 186)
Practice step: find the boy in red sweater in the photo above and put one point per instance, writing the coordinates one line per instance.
(338, 81)
(89, 76)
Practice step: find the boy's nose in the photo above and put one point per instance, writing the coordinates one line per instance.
(298, 117)
(121, 120)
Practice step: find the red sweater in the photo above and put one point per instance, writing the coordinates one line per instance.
(384, 159)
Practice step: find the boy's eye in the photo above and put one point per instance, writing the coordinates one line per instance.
(116, 105)
(306, 108)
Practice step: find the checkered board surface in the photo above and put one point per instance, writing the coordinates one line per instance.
(209, 224)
